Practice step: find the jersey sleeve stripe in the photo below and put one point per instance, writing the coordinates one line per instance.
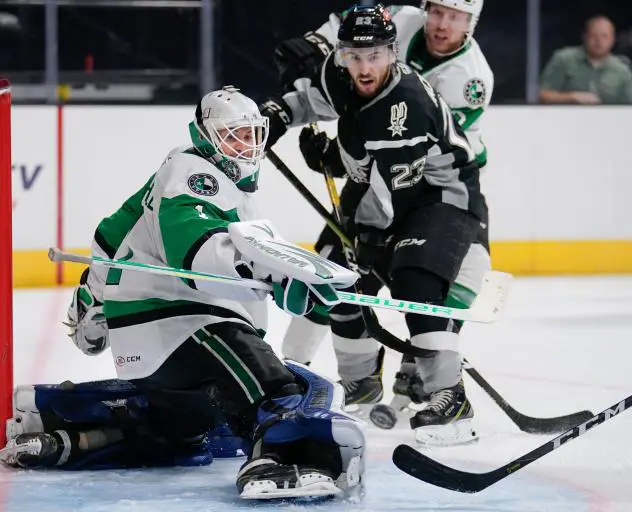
(393, 144)
(187, 261)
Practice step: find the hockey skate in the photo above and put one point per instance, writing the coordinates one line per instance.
(446, 420)
(36, 450)
(265, 478)
(408, 394)
(361, 395)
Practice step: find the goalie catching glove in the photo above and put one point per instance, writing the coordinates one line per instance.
(88, 329)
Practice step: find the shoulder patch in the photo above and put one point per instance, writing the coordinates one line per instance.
(203, 184)
(232, 170)
(475, 92)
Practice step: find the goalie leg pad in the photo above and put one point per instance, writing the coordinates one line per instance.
(309, 430)
(46, 407)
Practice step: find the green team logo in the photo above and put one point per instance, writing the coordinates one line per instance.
(475, 92)
(203, 184)
(232, 170)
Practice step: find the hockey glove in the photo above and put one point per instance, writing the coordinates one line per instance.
(88, 328)
(300, 57)
(370, 246)
(298, 298)
(320, 151)
(280, 117)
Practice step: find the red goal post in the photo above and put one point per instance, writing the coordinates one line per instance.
(6, 261)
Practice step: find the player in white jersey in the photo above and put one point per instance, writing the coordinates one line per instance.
(193, 348)
(437, 41)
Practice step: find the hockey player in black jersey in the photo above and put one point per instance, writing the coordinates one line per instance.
(419, 207)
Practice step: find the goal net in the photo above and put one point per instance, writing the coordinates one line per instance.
(6, 260)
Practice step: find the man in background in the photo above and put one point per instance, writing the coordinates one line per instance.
(588, 74)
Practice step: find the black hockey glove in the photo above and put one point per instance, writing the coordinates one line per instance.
(319, 150)
(370, 246)
(280, 117)
(300, 57)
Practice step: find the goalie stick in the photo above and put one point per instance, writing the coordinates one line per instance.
(424, 468)
(57, 255)
(529, 424)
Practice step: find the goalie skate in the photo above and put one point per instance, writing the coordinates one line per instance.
(265, 479)
(36, 450)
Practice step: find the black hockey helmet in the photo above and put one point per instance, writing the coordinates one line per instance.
(366, 26)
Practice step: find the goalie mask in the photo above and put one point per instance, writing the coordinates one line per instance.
(229, 131)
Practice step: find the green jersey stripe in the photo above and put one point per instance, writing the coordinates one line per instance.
(231, 361)
(187, 263)
(127, 313)
(466, 116)
(184, 220)
(113, 229)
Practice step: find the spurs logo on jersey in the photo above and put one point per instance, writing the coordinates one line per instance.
(399, 112)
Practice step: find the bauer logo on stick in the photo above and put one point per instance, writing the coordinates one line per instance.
(203, 184)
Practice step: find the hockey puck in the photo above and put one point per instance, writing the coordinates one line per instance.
(383, 416)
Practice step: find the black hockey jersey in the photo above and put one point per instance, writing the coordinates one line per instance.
(403, 143)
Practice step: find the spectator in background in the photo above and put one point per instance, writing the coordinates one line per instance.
(589, 74)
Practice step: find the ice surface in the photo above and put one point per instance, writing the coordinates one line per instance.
(563, 345)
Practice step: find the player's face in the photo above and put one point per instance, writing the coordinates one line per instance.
(369, 68)
(446, 29)
(238, 142)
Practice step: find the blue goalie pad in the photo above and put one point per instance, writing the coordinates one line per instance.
(141, 452)
(119, 404)
(224, 444)
(307, 415)
(104, 403)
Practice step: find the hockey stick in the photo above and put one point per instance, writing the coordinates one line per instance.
(492, 296)
(56, 255)
(424, 468)
(525, 423)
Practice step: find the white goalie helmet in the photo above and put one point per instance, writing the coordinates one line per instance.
(472, 7)
(230, 131)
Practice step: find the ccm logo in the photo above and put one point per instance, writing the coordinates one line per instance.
(122, 361)
(406, 242)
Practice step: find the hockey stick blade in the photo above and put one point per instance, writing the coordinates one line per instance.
(526, 423)
(422, 467)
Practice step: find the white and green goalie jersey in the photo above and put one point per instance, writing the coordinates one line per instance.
(464, 79)
(179, 219)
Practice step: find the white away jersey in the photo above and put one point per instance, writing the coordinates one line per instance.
(179, 218)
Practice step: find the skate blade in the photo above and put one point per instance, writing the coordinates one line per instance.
(269, 491)
(453, 434)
